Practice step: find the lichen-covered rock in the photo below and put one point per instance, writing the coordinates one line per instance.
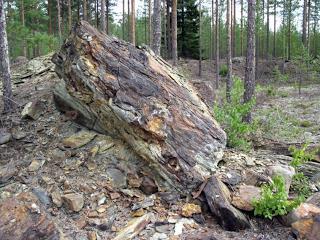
(136, 96)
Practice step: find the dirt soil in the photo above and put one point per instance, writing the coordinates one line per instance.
(107, 207)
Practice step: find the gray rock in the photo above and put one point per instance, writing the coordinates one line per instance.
(32, 110)
(117, 177)
(7, 171)
(285, 171)
(314, 199)
(218, 198)
(5, 137)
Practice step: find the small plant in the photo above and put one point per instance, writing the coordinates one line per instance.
(300, 156)
(223, 70)
(274, 200)
(300, 183)
(231, 115)
(279, 77)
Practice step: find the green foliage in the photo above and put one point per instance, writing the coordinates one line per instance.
(301, 185)
(278, 76)
(223, 70)
(231, 115)
(274, 200)
(300, 155)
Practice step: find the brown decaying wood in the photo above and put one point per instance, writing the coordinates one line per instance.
(139, 98)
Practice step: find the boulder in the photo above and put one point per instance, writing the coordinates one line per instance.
(22, 218)
(308, 229)
(245, 196)
(138, 97)
(218, 198)
(304, 211)
(285, 171)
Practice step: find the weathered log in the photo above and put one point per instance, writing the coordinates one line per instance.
(136, 96)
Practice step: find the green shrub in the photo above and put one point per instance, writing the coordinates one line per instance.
(223, 70)
(274, 200)
(231, 115)
(300, 155)
(278, 76)
(300, 183)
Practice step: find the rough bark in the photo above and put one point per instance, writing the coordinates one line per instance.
(156, 27)
(59, 20)
(133, 22)
(200, 39)
(150, 22)
(85, 10)
(138, 97)
(103, 15)
(274, 27)
(217, 34)
(123, 19)
(304, 23)
(24, 45)
(268, 30)
(69, 15)
(4, 62)
(229, 50)
(174, 33)
(250, 62)
(241, 28)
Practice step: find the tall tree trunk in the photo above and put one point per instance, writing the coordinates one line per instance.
(250, 62)
(174, 33)
(133, 22)
(212, 43)
(78, 10)
(274, 27)
(5, 63)
(103, 15)
(289, 29)
(169, 29)
(150, 22)
(229, 51)
(97, 12)
(304, 23)
(200, 39)
(309, 15)
(165, 42)
(23, 22)
(234, 25)
(268, 30)
(49, 17)
(156, 27)
(59, 20)
(123, 19)
(241, 33)
(217, 44)
(107, 16)
(129, 20)
(69, 15)
(85, 10)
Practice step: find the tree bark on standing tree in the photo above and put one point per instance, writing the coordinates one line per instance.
(174, 33)
(217, 39)
(150, 22)
(59, 20)
(241, 28)
(133, 23)
(200, 39)
(229, 51)
(23, 22)
(69, 15)
(103, 16)
(156, 27)
(274, 26)
(268, 30)
(304, 23)
(5, 64)
(85, 10)
(250, 62)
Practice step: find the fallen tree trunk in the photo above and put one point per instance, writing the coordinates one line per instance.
(136, 96)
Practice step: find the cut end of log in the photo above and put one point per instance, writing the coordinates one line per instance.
(134, 95)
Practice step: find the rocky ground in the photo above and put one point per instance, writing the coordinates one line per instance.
(59, 180)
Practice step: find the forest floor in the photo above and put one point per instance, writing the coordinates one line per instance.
(36, 160)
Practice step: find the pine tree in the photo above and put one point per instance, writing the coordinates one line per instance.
(229, 50)
(174, 33)
(156, 27)
(4, 61)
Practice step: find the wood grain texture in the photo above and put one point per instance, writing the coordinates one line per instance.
(136, 96)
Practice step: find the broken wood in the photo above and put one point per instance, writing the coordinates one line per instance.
(134, 95)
